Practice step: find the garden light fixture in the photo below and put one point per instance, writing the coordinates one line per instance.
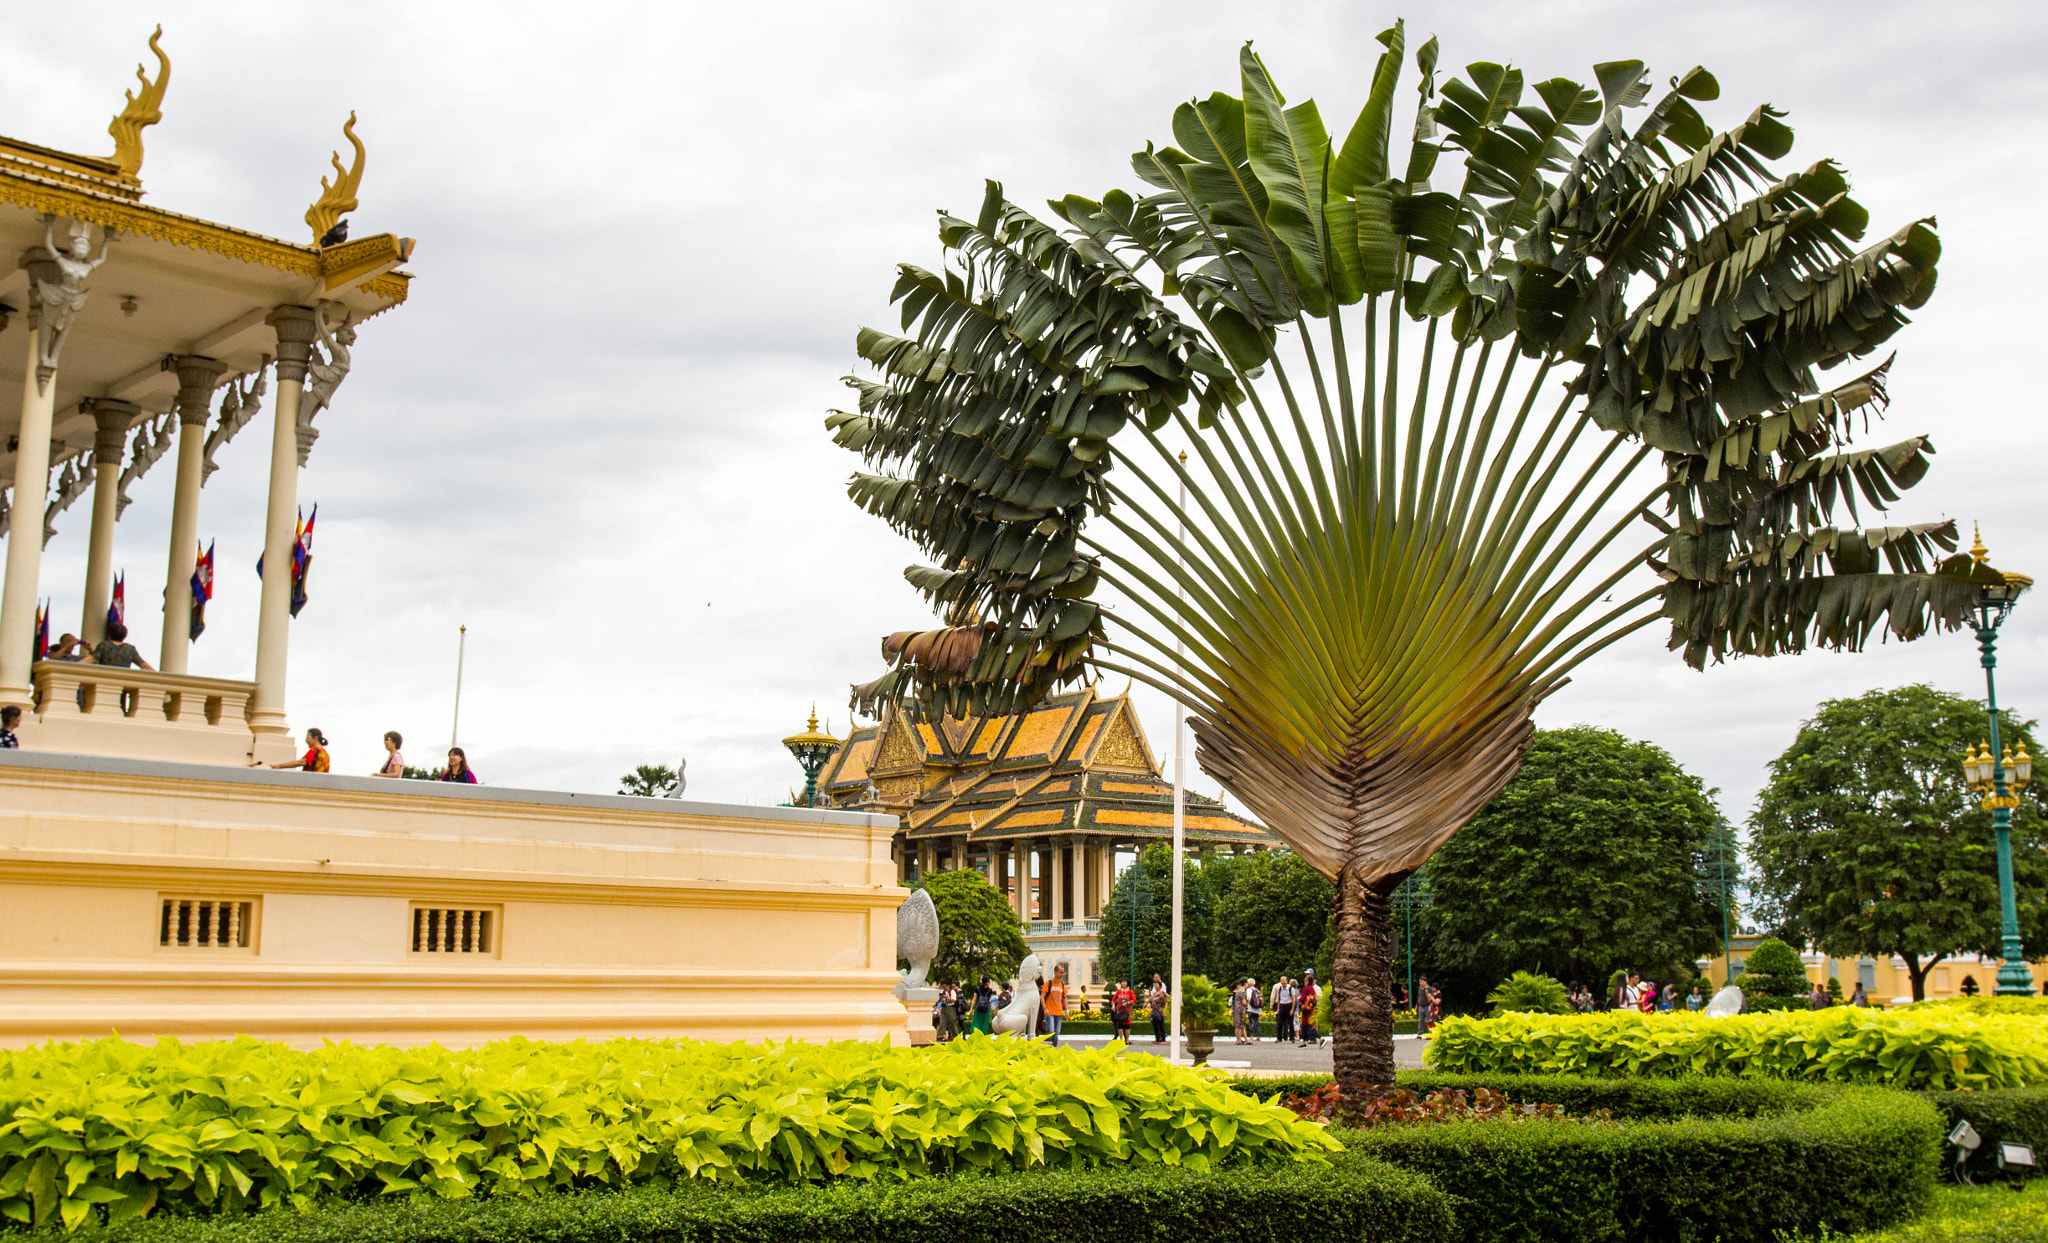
(1999, 776)
(812, 749)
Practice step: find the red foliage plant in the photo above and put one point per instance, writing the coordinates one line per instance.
(1372, 1106)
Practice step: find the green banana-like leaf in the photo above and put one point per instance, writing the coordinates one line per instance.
(1443, 442)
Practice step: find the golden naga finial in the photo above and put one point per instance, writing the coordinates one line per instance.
(143, 110)
(338, 199)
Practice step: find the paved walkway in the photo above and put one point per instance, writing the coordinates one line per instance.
(1266, 1055)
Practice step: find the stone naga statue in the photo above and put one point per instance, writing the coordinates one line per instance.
(917, 937)
(1020, 1017)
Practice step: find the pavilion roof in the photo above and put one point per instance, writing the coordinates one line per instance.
(172, 284)
(1077, 764)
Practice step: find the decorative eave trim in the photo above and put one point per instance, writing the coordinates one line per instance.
(334, 268)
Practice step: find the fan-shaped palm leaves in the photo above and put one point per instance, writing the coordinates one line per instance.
(1449, 436)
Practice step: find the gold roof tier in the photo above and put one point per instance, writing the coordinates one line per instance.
(1078, 764)
(171, 284)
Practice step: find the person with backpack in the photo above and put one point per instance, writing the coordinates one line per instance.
(984, 1005)
(1305, 1007)
(1121, 1003)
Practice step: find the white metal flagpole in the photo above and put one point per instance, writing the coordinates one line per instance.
(461, 646)
(1175, 1040)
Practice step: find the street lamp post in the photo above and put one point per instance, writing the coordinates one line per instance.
(812, 749)
(1999, 774)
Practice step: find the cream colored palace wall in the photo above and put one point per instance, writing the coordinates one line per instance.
(614, 916)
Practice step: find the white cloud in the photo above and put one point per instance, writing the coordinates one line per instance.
(647, 236)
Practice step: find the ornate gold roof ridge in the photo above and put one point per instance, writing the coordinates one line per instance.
(143, 110)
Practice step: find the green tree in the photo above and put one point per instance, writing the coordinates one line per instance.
(1773, 978)
(1867, 842)
(1270, 916)
(1140, 916)
(1587, 862)
(1456, 418)
(979, 935)
(649, 781)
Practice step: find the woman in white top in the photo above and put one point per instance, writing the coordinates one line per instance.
(394, 763)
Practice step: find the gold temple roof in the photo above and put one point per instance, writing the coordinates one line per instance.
(1077, 764)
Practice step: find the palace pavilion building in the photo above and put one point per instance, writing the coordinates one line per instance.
(1041, 803)
(159, 876)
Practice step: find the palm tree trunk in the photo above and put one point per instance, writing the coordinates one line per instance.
(1361, 997)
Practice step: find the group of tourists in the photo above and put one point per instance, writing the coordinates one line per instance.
(317, 760)
(1294, 1010)
(1426, 1001)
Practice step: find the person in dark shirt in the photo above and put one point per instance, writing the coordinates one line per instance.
(10, 716)
(115, 652)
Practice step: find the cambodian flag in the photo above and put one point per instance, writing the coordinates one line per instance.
(302, 559)
(118, 610)
(42, 630)
(202, 589)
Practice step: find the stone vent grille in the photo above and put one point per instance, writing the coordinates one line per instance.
(454, 930)
(206, 923)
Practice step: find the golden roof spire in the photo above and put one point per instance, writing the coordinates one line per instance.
(143, 110)
(338, 199)
(1978, 553)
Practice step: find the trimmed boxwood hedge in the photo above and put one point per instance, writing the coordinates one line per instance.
(1739, 1160)
(1354, 1199)
(1732, 1160)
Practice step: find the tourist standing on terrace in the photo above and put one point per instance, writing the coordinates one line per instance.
(116, 652)
(458, 769)
(9, 717)
(315, 760)
(394, 762)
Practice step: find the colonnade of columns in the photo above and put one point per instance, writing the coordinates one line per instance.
(1072, 878)
(49, 318)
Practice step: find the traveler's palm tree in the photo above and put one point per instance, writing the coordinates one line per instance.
(1447, 435)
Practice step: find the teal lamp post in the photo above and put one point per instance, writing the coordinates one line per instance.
(812, 749)
(1997, 773)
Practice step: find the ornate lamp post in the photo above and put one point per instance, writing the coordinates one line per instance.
(1999, 774)
(811, 748)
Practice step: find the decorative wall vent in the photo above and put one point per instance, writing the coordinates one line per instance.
(206, 923)
(454, 930)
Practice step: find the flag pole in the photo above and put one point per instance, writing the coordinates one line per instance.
(461, 646)
(1175, 1039)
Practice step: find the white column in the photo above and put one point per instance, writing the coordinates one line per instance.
(113, 418)
(296, 326)
(31, 494)
(196, 378)
(1059, 882)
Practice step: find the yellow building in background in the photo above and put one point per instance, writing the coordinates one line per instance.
(1885, 980)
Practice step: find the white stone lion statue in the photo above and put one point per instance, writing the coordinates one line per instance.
(1020, 1017)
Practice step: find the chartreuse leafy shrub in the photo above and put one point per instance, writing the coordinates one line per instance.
(1347, 1200)
(240, 1124)
(1973, 1215)
(1736, 1160)
(1531, 993)
(2037, 1007)
(1916, 1047)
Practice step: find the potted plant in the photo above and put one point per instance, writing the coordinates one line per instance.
(1202, 1007)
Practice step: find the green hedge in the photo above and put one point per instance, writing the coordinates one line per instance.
(1351, 1200)
(1925, 1047)
(1740, 1160)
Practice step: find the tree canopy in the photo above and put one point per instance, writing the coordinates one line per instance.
(1588, 862)
(1138, 919)
(649, 781)
(1270, 917)
(1866, 840)
(979, 935)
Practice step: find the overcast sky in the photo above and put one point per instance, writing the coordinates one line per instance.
(647, 235)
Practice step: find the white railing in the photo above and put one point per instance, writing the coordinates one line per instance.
(139, 714)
